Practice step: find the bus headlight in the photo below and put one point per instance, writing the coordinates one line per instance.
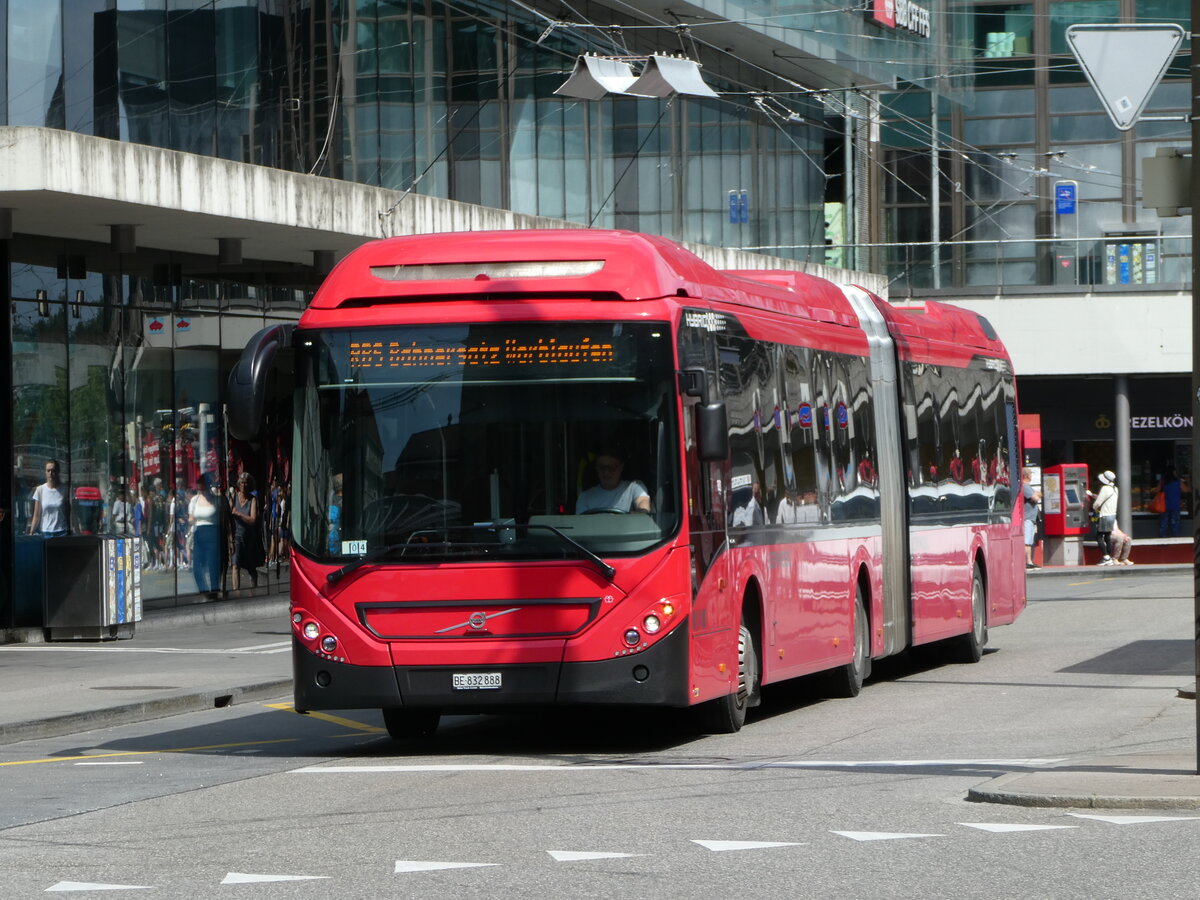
(311, 630)
(651, 624)
(329, 643)
(632, 637)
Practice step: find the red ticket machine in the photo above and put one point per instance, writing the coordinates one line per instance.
(1065, 500)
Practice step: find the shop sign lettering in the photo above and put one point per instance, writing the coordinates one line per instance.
(1175, 421)
(901, 14)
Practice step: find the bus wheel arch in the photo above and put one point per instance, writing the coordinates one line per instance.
(727, 714)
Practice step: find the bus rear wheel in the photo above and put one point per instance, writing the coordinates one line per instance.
(727, 715)
(847, 680)
(968, 648)
(408, 724)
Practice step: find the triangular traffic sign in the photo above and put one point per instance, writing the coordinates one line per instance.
(1124, 63)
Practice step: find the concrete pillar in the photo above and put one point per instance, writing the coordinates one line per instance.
(1121, 433)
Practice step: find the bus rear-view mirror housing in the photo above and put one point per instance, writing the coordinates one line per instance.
(248, 380)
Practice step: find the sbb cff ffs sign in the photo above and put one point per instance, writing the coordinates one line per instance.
(901, 14)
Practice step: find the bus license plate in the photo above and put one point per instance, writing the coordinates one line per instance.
(475, 681)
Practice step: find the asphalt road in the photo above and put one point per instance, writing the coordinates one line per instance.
(814, 798)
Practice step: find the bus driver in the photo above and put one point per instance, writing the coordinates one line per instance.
(613, 494)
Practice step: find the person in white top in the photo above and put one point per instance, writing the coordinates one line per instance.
(613, 494)
(51, 509)
(204, 522)
(1105, 507)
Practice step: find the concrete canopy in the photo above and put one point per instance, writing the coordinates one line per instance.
(68, 185)
(64, 185)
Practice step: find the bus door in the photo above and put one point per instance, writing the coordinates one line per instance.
(707, 497)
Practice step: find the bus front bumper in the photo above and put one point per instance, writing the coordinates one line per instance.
(657, 676)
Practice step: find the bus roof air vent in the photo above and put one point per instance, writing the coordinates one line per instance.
(486, 271)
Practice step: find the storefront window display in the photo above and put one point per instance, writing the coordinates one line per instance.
(120, 379)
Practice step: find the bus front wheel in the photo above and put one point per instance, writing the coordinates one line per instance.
(407, 724)
(727, 715)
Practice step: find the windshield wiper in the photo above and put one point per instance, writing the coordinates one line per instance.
(605, 569)
(374, 556)
(383, 552)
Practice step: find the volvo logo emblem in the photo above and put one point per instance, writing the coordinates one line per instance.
(477, 621)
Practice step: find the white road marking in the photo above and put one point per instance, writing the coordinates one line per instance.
(1002, 827)
(274, 645)
(722, 846)
(87, 886)
(413, 865)
(131, 762)
(658, 767)
(41, 648)
(881, 835)
(245, 878)
(1133, 820)
(577, 855)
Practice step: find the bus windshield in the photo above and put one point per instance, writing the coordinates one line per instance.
(473, 442)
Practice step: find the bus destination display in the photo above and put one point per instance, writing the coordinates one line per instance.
(507, 353)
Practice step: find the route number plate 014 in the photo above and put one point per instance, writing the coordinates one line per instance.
(475, 681)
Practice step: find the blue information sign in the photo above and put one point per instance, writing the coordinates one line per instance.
(1065, 198)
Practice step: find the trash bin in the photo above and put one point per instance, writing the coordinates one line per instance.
(28, 596)
(92, 587)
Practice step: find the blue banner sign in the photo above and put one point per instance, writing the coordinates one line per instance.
(1065, 196)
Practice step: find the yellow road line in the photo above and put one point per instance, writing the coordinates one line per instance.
(336, 720)
(359, 728)
(54, 759)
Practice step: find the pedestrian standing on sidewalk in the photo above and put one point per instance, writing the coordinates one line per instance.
(1032, 498)
(205, 523)
(51, 508)
(248, 552)
(1172, 491)
(1105, 507)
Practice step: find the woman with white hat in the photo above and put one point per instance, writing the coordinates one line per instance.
(1105, 507)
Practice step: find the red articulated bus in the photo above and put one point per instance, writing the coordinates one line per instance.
(539, 468)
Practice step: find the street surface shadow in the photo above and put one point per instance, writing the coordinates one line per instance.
(576, 735)
(1151, 657)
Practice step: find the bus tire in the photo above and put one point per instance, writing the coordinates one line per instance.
(968, 648)
(409, 724)
(727, 715)
(847, 681)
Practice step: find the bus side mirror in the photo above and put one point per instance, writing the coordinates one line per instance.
(248, 380)
(712, 432)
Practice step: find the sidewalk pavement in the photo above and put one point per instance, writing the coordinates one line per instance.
(178, 660)
(1136, 781)
(1094, 570)
(212, 655)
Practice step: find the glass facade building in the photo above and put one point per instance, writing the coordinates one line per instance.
(120, 353)
(821, 147)
(1033, 123)
(990, 224)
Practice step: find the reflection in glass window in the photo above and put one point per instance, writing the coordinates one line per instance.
(1064, 13)
(33, 58)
